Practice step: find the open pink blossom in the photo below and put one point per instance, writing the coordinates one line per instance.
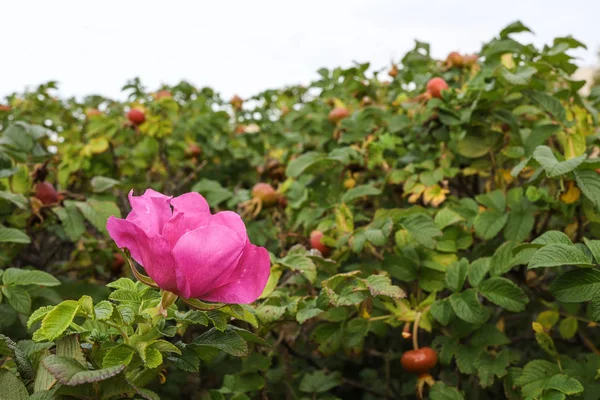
(189, 251)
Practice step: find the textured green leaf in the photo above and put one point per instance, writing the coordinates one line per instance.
(552, 237)
(12, 387)
(102, 183)
(442, 311)
(58, 319)
(553, 167)
(68, 371)
(489, 223)
(15, 276)
(439, 391)
(16, 198)
(103, 310)
(381, 285)
(577, 285)
(456, 273)
(228, 341)
(478, 270)
(504, 293)
(568, 327)
(519, 225)
(71, 220)
(423, 229)
(589, 183)
(594, 246)
(503, 260)
(18, 298)
(320, 381)
(549, 104)
(118, 355)
(555, 255)
(359, 192)
(12, 235)
(467, 307)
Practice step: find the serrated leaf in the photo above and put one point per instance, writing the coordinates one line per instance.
(423, 229)
(577, 285)
(442, 311)
(519, 225)
(16, 276)
(102, 183)
(58, 319)
(589, 184)
(71, 220)
(302, 264)
(38, 315)
(557, 254)
(552, 237)
(69, 372)
(439, 391)
(228, 341)
(489, 223)
(12, 387)
(456, 274)
(320, 381)
(103, 310)
(553, 167)
(549, 104)
(478, 270)
(467, 307)
(504, 293)
(12, 235)
(18, 298)
(118, 355)
(359, 192)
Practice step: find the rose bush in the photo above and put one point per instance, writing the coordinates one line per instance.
(442, 247)
(188, 251)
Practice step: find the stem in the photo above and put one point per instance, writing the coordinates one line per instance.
(379, 318)
(415, 337)
(121, 331)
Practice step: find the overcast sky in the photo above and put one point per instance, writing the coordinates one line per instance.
(247, 46)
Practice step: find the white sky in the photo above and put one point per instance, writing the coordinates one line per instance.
(247, 46)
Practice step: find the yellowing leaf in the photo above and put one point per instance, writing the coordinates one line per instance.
(434, 195)
(571, 195)
(507, 61)
(95, 146)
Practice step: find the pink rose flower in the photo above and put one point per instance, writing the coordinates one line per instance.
(189, 251)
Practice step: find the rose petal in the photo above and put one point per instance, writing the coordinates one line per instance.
(182, 223)
(153, 253)
(206, 257)
(231, 220)
(190, 203)
(149, 211)
(248, 281)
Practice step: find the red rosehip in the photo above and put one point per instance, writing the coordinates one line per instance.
(136, 116)
(419, 361)
(315, 243)
(435, 87)
(46, 193)
(338, 114)
(266, 193)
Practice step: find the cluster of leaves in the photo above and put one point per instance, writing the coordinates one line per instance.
(469, 220)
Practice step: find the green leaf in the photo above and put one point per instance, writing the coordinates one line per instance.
(442, 311)
(474, 146)
(320, 381)
(16, 198)
(557, 254)
(594, 246)
(58, 319)
(504, 293)
(422, 228)
(301, 263)
(478, 270)
(21, 360)
(553, 167)
(439, 391)
(564, 384)
(118, 355)
(228, 341)
(552, 237)
(577, 285)
(550, 104)
(568, 327)
(297, 166)
(16, 276)
(446, 217)
(12, 235)
(38, 315)
(18, 298)
(519, 225)
(456, 273)
(495, 200)
(589, 183)
(152, 357)
(521, 76)
(71, 220)
(539, 135)
(97, 212)
(123, 283)
(381, 285)
(12, 387)
(489, 223)
(515, 27)
(212, 191)
(467, 307)
(359, 192)
(103, 310)
(305, 314)
(69, 372)
(102, 183)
